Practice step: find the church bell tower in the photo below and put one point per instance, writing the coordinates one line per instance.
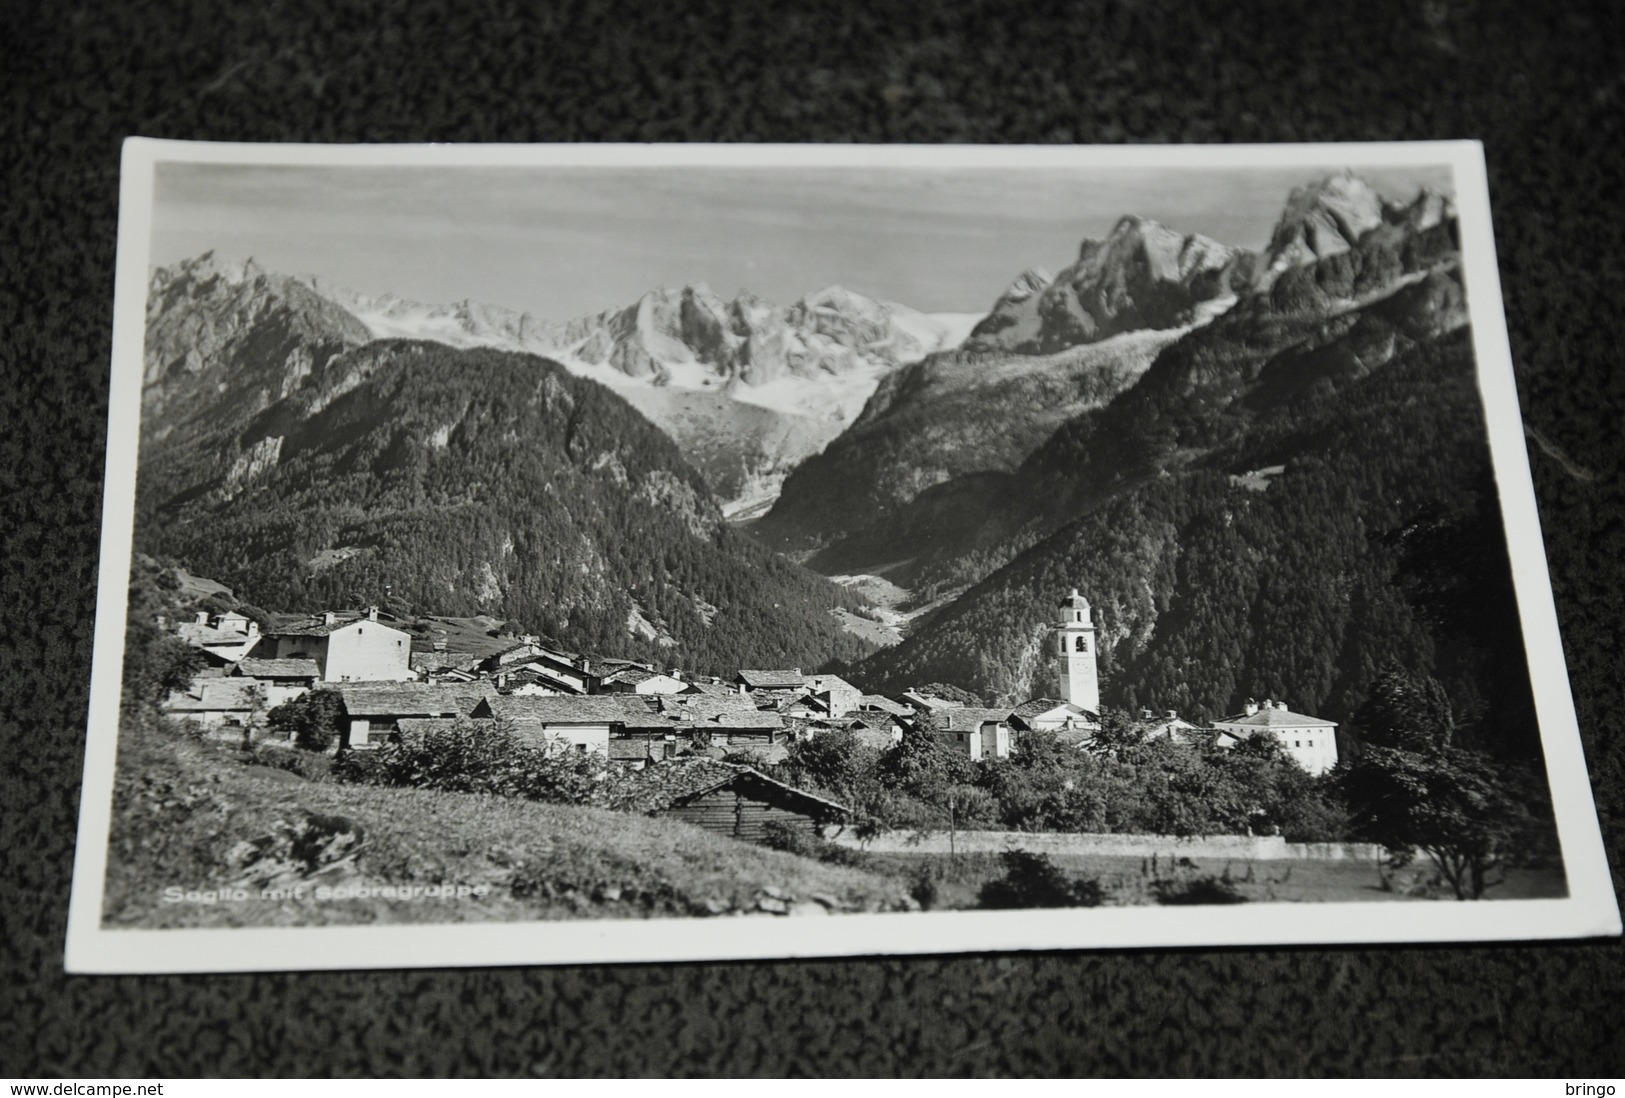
(1072, 641)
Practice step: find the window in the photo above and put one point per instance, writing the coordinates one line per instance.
(1083, 644)
(582, 748)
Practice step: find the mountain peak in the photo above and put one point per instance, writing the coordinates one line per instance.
(1321, 219)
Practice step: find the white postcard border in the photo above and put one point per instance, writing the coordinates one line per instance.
(1590, 910)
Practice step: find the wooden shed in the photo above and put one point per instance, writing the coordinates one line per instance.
(731, 800)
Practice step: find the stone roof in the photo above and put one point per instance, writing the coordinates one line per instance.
(721, 711)
(929, 701)
(1035, 706)
(278, 669)
(791, 679)
(633, 675)
(873, 737)
(443, 661)
(207, 635)
(876, 701)
(966, 719)
(410, 699)
(1074, 737)
(822, 684)
(712, 689)
(1269, 716)
(217, 696)
(562, 709)
(317, 626)
(413, 726)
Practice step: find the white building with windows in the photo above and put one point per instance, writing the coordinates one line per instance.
(345, 647)
(1310, 740)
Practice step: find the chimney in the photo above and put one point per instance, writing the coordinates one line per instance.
(1173, 715)
(253, 628)
(372, 613)
(202, 617)
(1250, 708)
(1281, 705)
(328, 618)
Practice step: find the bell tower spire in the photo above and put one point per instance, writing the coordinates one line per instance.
(1072, 646)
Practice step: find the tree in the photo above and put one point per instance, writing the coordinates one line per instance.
(312, 720)
(1448, 803)
(921, 766)
(156, 664)
(1118, 730)
(1408, 711)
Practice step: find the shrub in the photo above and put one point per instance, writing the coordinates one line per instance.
(1033, 880)
(463, 758)
(792, 839)
(1195, 890)
(313, 720)
(280, 756)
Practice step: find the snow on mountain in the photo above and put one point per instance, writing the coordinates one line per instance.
(748, 389)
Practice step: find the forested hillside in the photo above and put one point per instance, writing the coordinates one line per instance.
(477, 481)
(1290, 499)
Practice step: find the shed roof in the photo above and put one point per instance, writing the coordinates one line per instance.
(674, 782)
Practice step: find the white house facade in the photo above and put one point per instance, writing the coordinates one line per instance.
(1310, 740)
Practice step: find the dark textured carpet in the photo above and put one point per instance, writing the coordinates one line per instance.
(1544, 90)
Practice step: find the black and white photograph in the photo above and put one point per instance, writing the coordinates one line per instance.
(537, 554)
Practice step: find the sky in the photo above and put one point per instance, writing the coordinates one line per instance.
(561, 242)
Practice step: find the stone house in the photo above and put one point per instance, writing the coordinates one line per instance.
(572, 723)
(283, 680)
(979, 733)
(346, 648)
(374, 710)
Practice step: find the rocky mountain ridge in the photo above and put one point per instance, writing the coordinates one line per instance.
(748, 389)
(920, 467)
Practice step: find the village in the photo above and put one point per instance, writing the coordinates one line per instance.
(393, 686)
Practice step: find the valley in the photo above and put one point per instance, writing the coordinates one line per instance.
(1226, 445)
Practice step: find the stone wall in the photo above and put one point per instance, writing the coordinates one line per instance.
(1254, 847)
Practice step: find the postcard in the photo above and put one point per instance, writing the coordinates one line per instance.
(606, 553)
